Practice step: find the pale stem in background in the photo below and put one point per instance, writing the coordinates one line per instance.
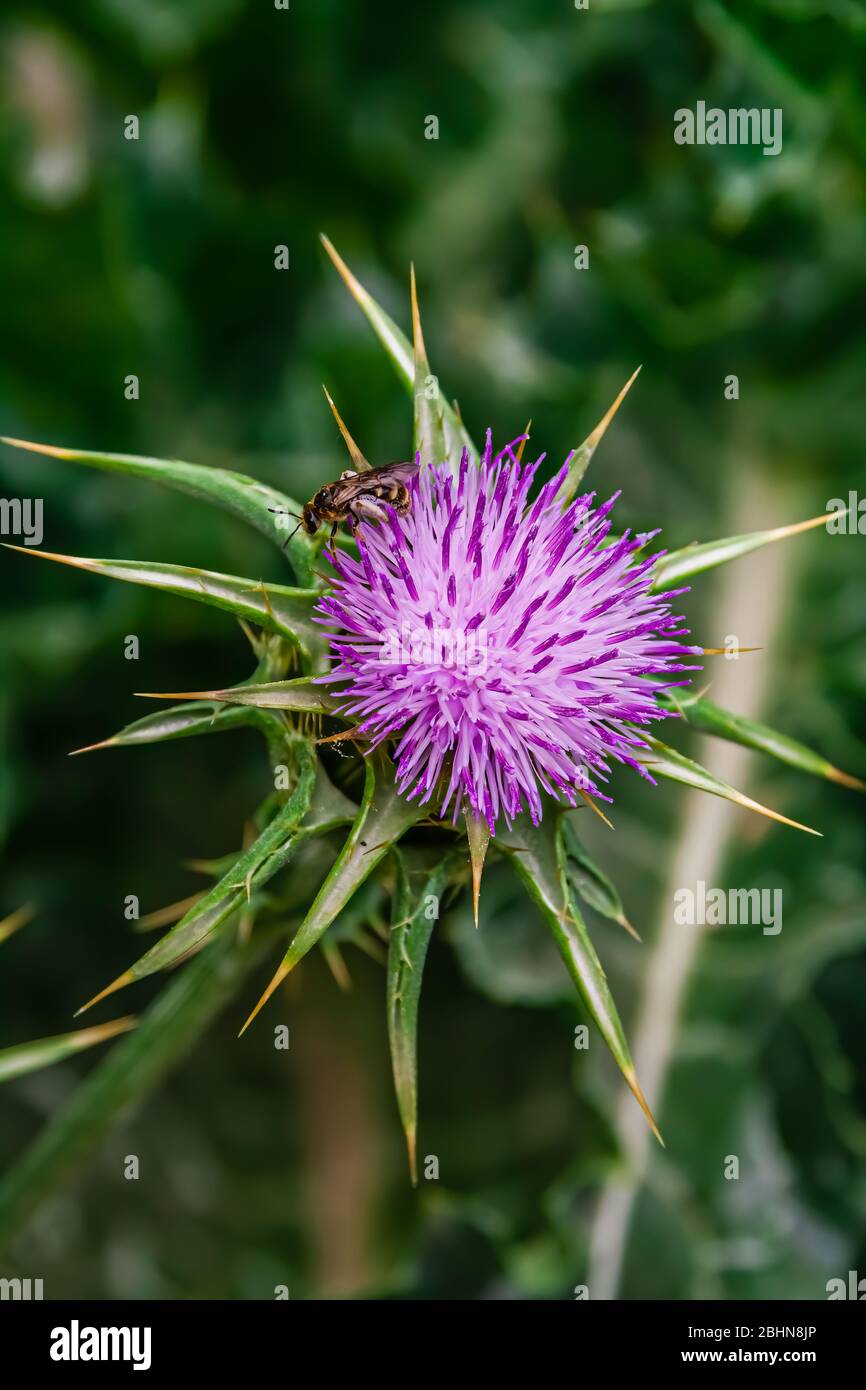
(749, 601)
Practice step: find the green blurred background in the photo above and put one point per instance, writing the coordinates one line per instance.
(262, 127)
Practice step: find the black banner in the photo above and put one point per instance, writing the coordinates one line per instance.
(81, 1339)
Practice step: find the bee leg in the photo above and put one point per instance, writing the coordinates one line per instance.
(333, 532)
(369, 509)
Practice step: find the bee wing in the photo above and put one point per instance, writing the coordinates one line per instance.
(346, 491)
(395, 472)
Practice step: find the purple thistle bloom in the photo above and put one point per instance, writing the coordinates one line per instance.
(501, 643)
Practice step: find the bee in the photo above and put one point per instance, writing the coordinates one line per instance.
(356, 497)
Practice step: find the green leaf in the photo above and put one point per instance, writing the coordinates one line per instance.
(166, 916)
(662, 761)
(329, 808)
(167, 1031)
(300, 695)
(694, 559)
(581, 458)
(189, 721)
(288, 612)
(538, 855)
(381, 820)
(243, 497)
(702, 714)
(32, 1056)
(590, 882)
(411, 930)
(269, 853)
(429, 429)
(400, 351)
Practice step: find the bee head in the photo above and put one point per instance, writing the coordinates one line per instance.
(310, 521)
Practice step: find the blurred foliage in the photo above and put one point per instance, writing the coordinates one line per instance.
(259, 128)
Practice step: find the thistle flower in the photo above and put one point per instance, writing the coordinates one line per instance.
(499, 649)
(510, 648)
